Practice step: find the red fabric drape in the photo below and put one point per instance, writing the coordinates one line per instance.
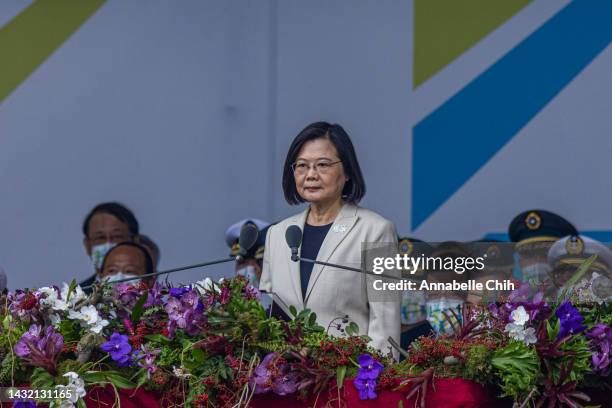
(449, 393)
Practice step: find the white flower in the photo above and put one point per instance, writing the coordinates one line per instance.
(74, 391)
(51, 299)
(520, 316)
(518, 332)
(206, 285)
(180, 372)
(89, 317)
(55, 319)
(75, 296)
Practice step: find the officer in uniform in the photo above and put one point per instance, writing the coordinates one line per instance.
(567, 255)
(534, 232)
(414, 312)
(439, 304)
(250, 265)
(499, 264)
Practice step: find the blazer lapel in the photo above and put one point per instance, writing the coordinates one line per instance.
(294, 267)
(339, 230)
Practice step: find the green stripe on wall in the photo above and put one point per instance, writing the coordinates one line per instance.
(445, 29)
(31, 37)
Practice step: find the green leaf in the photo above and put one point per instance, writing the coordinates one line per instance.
(569, 285)
(138, 308)
(293, 310)
(340, 374)
(400, 404)
(120, 381)
(199, 355)
(354, 328)
(6, 322)
(94, 377)
(81, 403)
(71, 288)
(41, 378)
(159, 338)
(312, 320)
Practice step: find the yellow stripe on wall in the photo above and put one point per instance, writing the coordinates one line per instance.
(31, 37)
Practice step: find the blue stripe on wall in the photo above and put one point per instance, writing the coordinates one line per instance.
(458, 138)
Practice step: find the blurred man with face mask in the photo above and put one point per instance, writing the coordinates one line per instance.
(127, 260)
(250, 266)
(534, 232)
(104, 227)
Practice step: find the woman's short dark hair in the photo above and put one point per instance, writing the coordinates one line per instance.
(354, 189)
(119, 211)
(148, 260)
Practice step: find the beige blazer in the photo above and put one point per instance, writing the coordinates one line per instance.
(334, 292)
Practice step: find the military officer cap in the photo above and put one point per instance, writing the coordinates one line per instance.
(497, 254)
(232, 236)
(534, 226)
(413, 247)
(575, 249)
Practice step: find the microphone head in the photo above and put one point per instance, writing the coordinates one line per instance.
(293, 236)
(248, 237)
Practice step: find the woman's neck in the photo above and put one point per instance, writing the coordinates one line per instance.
(324, 213)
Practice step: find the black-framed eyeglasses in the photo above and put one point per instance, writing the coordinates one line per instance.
(321, 167)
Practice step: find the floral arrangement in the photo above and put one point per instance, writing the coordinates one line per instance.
(213, 345)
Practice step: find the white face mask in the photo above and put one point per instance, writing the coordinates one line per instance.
(98, 253)
(249, 273)
(120, 275)
(436, 316)
(538, 272)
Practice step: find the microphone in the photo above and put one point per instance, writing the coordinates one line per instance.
(248, 236)
(293, 236)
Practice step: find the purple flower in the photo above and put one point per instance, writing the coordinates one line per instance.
(178, 292)
(155, 296)
(225, 295)
(119, 349)
(601, 337)
(145, 358)
(40, 351)
(127, 294)
(365, 382)
(370, 368)
(537, 308)
(24, 404)
(24, 305)
(366, 388)
(570, 320)
(251, 292)
(185, 313)
(22, 348)
(274, 374)
(286, 382)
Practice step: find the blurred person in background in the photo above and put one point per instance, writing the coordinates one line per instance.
(534, 232)
(565, 258)
(105, 226)
(127, 260)
(251, 263)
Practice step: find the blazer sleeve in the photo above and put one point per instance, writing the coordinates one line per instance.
(385, 316)
(265, 282)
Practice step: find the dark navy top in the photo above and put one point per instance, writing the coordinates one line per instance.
(312, 239)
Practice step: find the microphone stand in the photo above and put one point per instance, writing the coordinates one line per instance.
(182, 268)
(348, 268)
